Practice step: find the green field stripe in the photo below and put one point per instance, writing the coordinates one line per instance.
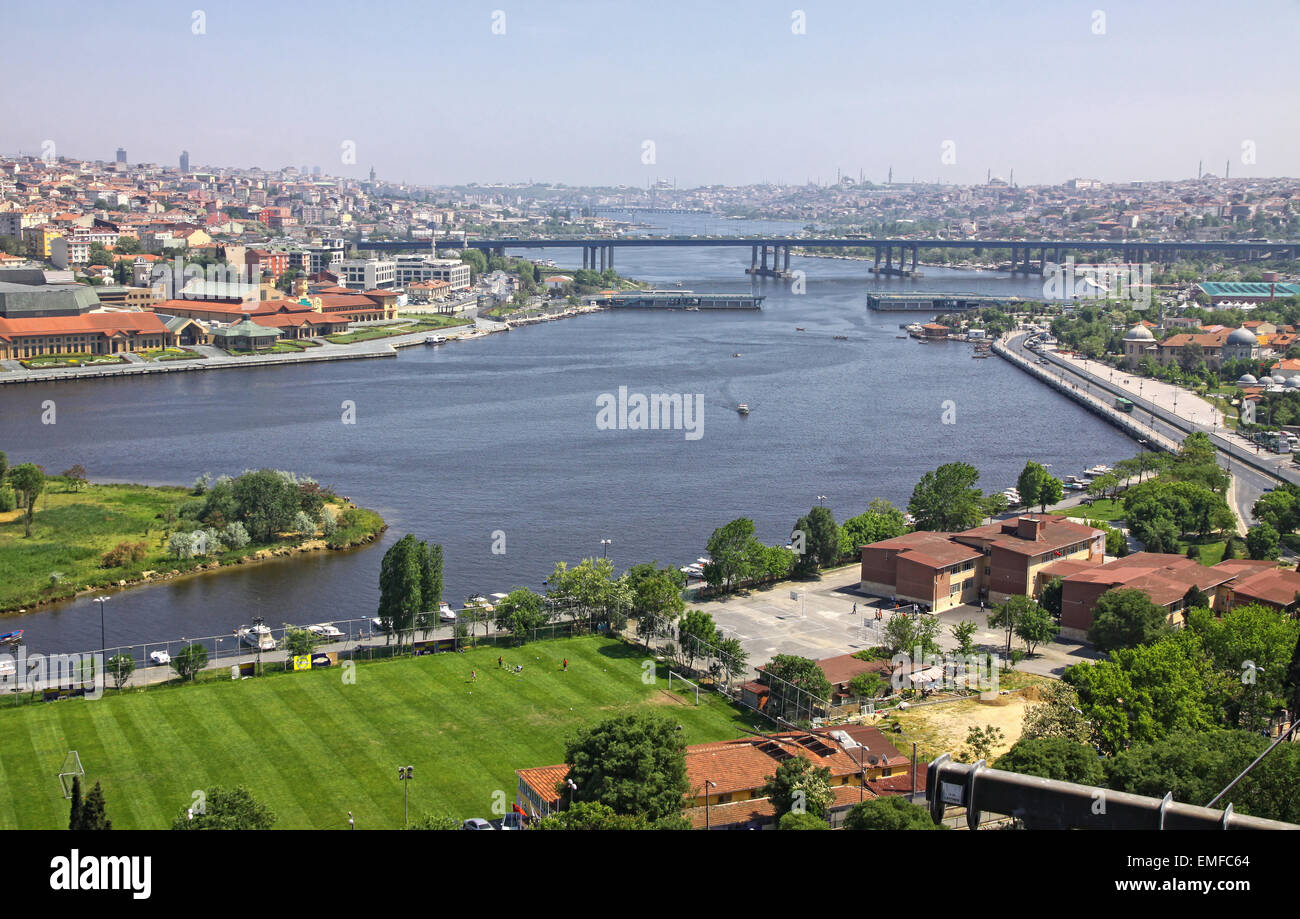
(113, 763)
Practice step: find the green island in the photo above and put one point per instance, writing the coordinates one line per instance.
(313, 746)
(60, 535)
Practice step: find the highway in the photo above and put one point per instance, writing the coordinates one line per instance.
(1253, 473)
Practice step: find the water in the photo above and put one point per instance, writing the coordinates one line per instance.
(455, 443)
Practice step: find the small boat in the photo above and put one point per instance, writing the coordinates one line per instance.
(12, 638)
(435, 340)
(800, 328)
(737, 354)
(743, 408)
(161, 658)
(378, 624)
(326, 631)
(901, 336)
(841, 337)
(445, 612)
(257, 636)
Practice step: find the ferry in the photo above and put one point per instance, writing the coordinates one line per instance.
(12, 638)
(743, 408)
(257, 636)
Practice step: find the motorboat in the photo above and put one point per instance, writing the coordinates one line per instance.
(12, 638)
(326, 631)
(445, 612)
(378, 624)
(743, 408)
(800, 328)
(162, 658)
(258, 637)
(435, 340)
(840, 337)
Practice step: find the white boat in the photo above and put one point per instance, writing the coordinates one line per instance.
(257, 636)
(378, 624)
(445, 612)
(160, 657)
(743, 408)
(326, 631)
(435, 340)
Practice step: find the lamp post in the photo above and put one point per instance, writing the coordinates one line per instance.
(572, 789)
(604, 547)
(102, 642)
(404, 775)
(707, 785)
(820, 499)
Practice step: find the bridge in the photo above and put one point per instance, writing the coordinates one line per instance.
(600, 250)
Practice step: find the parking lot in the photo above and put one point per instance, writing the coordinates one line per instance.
(820, 623)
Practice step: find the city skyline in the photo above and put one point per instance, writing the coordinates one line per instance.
(577, 94)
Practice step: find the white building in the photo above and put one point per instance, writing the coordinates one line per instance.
(414, 268)
(367, 273)
(66, 252)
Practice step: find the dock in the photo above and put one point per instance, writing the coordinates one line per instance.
(936, 302)
(678, 300)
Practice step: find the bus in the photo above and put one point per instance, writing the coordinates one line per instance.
(1124, 405)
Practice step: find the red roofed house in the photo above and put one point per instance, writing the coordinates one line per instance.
(725, 778)
(92, 333)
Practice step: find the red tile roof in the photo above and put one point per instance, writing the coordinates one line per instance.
(84, 324)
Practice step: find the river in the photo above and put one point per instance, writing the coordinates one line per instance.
(465, 442)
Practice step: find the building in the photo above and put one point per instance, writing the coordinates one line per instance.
(66, 252)
(1241, 345)
(185, 161)
(1248, 291)
(367, 273)
(1211, 344)
(26, 301)
(121, 154)
(410, 269)
(88, 333)
(245, 336)
(942, 570)
(1139, 342)
(726, 778)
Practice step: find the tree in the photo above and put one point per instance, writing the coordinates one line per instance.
(635, 764)
(1263, 542)
(729, 548)
(1060, 758)
(655, 593)
(868, 685)
(903, 634)
(980, 742)
(1049, 598)
(821, 540)
(591, 815)
(189, 660)
(1057, 714)
(226, 809)
(881, 520)
(1008, 614)
(1050, 491)
(1250, 646)
(521, 612)
(591, 588)
(298, 642)
(1195, 598)
(799, 787)
(891, 812)
(796, 685)
(1036, 626)
(76, 476)
(964, 632)
(696, 635)
(93, 815)
(1029, 482)
(793, 821)
(400, 578)
(74, 816)
(265, 500)
(947, 499)
(732, 656)
(429, 560)
(1124, 618)
(1143, 694)
(120, 667)
(27, 481)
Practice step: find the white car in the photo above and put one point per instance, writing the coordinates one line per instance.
(477, 823)
(160, 657)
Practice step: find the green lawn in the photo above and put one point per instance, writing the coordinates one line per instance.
(423, 324)
(1101, 509)
(314, 747)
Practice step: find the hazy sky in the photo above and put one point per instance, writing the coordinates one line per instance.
(726, 91)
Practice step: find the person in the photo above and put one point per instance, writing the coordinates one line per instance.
(879, 614)
(473, 676)
(566, 665)
(500, 663)
(855, 609)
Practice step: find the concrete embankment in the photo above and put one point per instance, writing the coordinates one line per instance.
(1093, 404)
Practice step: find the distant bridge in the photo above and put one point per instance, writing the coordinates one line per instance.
(600, 250)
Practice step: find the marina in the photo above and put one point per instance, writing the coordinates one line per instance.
(679, 299)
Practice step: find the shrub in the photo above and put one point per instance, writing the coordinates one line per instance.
(235, 535)
(7, 499)
(124, 553)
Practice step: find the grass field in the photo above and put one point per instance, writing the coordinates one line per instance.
(314, 748)
(426, 323)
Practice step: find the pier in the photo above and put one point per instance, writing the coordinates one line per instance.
(933, 302)
(678, 300)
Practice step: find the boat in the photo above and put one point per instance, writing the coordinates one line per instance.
(378, 624)
(161, 658)
(742, 408)
(800, 328)
(737, 354)
(901, 336)
(257, 636)
(435, 340)
(445, 612)
(326, 631)
(841, 337)
(11, 638)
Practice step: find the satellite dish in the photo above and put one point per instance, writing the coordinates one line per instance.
(873, 759)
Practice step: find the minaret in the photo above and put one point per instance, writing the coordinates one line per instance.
(372, 175)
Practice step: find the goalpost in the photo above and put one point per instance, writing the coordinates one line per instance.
(680, 678)
(71, 769)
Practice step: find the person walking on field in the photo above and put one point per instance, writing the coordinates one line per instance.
(500, 663)
(473, 676)
(566, 665)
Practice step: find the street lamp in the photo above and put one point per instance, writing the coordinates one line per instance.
(572, 789)
(102, 643)
(707, 786)
(604, 547)
(820, 499)
(404, 775)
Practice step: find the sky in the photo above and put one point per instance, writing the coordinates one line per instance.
(697, 93)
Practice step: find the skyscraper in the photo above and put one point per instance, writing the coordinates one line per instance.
(185, 161)
(121, 154)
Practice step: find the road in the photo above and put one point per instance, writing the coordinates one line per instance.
(1253, 472)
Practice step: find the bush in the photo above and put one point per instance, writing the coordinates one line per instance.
(8, 501)
(124, 553)
(235, 535)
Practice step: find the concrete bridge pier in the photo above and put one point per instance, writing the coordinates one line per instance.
(753, 259)
(786, 269)
(611, 256)
(602, 257)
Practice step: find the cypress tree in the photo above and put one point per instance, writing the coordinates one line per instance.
(75, 818)
(93, 816)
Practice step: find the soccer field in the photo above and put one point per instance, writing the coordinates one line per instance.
(313, 747)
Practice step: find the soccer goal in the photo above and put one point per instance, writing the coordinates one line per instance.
(71, 769)
(681, 679)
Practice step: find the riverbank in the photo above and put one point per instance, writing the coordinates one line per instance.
(78, 534)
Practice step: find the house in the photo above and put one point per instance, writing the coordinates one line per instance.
(245, 336)
(725, 778)
(87, 333)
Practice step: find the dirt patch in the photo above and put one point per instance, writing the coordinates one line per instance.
(942, 728)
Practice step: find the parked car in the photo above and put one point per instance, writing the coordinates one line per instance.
(477, 823)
